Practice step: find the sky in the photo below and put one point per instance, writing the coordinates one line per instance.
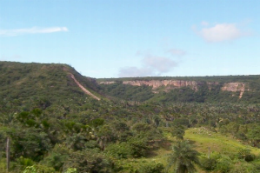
(134, 38)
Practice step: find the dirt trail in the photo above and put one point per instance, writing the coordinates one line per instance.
(83, 88)
(241, 94)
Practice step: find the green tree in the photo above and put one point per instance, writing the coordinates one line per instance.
(178, 131)
(183, 157)
(151, 167)
(254, 135)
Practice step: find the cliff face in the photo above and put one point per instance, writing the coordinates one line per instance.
(107, 82)
(171, 84)
(157, 83)
(235, 87)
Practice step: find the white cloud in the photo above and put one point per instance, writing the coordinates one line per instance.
(33, 30)
(151, 66)
(135, 72)
(221, 32)
(160, 64)
(177, 52)
(204, 23)
(10, 58)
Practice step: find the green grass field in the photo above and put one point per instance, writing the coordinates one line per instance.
(206, 139)
(206, 142)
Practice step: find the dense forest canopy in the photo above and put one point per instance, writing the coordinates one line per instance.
(192, 89)
(53, 126)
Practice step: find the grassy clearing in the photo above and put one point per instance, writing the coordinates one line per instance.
(207, 140)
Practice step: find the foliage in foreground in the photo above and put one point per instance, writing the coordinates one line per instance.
(54, 127)
(183, 157)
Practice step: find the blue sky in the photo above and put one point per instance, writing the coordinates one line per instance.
(119, 38)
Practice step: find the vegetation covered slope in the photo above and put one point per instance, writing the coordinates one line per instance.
(24, 83)
(184, 89)
(54, 127)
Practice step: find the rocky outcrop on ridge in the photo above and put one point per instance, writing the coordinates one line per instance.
(171, 84)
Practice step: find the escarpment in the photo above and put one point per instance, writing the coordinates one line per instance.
(158, 83)
(107, 82)
(235, 87)
(176, 84)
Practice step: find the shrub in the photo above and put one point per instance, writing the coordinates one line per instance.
(119, 151)
(208, 163)
(152, 168)
(138, 147)
(71, 170)
(244, 167)
(249, 157)
(57, 157)
(224, 164)
(38, 169)
(88, 161)
(24, 162)
(246, 155)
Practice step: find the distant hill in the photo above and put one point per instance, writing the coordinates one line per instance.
(58, 120)
(46, 84)
(24, 83)
(184, 89)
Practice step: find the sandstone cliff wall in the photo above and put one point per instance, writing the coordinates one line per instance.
(170, 84)
(107, 82)
(235, 87)
(158, 83)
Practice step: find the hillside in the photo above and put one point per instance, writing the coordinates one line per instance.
(23, 83)
(53, 82)
(184, 89)
(60, 121)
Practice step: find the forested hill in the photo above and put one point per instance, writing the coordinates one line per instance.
(184, 89)
(25, 83)
(50, 83)
(53, 120)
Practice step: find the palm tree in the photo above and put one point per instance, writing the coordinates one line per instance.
(7, 121)
(183, 157)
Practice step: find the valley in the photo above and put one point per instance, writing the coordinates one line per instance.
(60, 121)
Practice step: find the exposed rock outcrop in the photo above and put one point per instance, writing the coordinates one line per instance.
(158, 83)
(171, 84)
(212, 84)
(107, 82)
(234, 87)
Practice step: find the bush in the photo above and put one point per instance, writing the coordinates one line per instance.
(24, 162)
(152, 168)
(178, 131)
(138, 147)
(224, 164)
(38, 169)
(119, 151)
(249, 157)
(71, 170)
(246, 155)
(57, 157)
(208, 163)
(244, 167)
(88, 161)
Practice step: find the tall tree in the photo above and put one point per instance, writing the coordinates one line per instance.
(183, 157)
